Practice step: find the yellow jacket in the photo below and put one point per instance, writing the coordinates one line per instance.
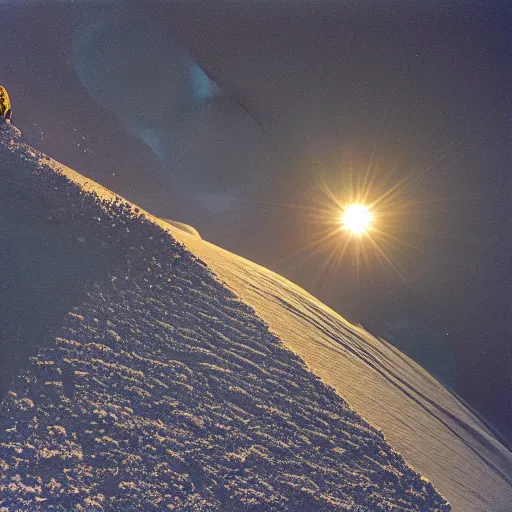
(5, 103)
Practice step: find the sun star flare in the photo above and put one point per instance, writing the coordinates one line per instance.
(357, 219)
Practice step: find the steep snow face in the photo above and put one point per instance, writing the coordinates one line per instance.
(163, 390)
(433, 429)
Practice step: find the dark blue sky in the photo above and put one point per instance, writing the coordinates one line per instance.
(301, 95)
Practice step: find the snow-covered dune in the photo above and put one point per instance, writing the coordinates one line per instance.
(145, 369)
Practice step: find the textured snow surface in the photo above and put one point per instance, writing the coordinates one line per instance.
(431, 427)
(161, 389)
(164, 391)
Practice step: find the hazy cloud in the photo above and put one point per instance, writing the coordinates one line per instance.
(130, 63)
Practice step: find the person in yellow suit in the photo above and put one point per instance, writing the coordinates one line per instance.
(5, 105)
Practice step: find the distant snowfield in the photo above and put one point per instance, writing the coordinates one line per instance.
(164, 386)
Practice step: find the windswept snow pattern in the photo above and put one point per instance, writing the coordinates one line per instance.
(431, 427)
(164, 391)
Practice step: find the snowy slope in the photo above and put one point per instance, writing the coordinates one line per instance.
(434, 431)
(153, 386)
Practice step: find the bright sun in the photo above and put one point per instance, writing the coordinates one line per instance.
(357, 219)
